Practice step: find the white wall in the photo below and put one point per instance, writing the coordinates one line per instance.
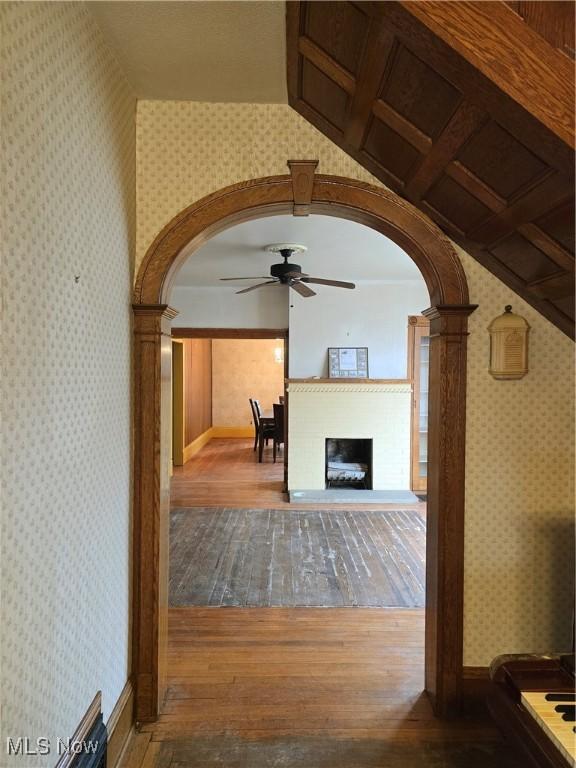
(223, 308)
(373, 315)
(68, 180)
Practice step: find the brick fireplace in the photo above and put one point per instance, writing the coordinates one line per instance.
(368, 410)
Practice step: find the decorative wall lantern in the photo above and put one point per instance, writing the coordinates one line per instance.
(508, 346)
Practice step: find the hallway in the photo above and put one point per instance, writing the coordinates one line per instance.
(305, 687)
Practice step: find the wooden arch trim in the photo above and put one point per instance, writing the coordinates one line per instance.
(438, 262)
(375, 207)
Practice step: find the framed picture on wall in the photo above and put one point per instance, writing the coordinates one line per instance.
(348, 362)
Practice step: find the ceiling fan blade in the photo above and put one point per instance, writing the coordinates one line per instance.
(259, 277)
(335, 283)
(302, 289)
(258, 285)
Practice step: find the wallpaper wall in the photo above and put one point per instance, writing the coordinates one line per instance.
(244, 368)
(520, 450)
(519, 569)
(68, 181)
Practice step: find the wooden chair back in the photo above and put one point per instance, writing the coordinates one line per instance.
(278, 423)
(256, 420)
(255, 412)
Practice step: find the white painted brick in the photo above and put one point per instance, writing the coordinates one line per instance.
(362, 410)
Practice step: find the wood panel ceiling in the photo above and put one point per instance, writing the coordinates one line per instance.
(434, 99)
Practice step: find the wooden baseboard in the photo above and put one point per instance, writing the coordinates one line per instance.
(233, 431)
(196, 445)
(475, 688)
(120, 725)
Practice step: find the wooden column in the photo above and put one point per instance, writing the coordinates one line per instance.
(445, 505)
(152, 423)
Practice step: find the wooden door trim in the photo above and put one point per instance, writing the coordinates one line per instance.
(417, 324)
(442, 271)
(178, 441)
(230, 333)
(414, 321)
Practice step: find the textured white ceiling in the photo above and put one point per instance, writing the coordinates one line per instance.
(199, 51)
(337, 249)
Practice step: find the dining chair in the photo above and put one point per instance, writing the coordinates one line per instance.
(265, 429)
(259, 416)
(278, 427)
(256, 420)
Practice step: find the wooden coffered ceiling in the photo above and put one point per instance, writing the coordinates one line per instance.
(464, 108)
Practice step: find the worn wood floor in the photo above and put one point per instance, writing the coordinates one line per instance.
(304, 688)
(296, 687)
(324, 558)
(226, 473)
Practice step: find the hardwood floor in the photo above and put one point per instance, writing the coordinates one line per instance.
(226, 473)
(304, 688)
(282, 557)
(296, 687)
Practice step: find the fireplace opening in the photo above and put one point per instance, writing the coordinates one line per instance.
(349, 463)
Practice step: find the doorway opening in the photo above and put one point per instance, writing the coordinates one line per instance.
(446, 284)
(262, 560)
(224, 381)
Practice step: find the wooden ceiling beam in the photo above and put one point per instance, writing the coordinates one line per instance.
(324, 63)
(386, 114)
(475, 186)
(464, 122)
(374, 63)
(489, 36)
(551, 248)
(479, 89)
(547, 195)
(556, 286)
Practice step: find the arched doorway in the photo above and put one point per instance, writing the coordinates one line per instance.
(448, 314)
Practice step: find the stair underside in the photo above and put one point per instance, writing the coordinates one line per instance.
(480, 140)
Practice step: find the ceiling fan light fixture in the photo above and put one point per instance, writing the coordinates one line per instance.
(290, 274)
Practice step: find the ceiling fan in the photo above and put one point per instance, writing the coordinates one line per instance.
(289, 274)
